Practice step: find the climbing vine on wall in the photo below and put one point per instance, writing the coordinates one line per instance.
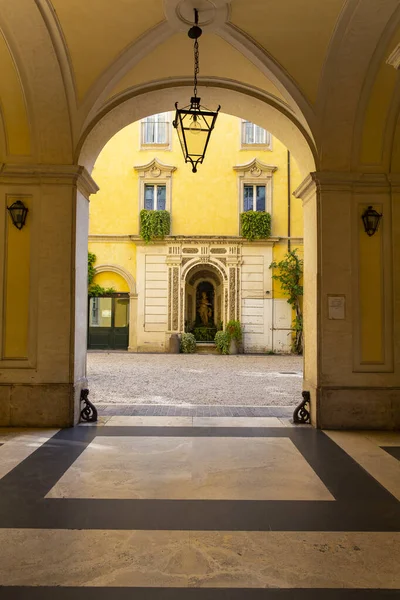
(289, 273)
(94, 289)
(154, 224)
(255, 225)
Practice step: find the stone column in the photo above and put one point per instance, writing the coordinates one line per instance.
(43, 270)
(352, 366)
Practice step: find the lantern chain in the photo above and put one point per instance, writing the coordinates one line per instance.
(196, 65)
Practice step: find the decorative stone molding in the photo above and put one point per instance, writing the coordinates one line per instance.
(255, 172)
(255, 168)
(116, 239)
(49, 175)
(394, 58)
(157, 173)
(154, 169)
(344, 181)
(120, 271)
(212, 13)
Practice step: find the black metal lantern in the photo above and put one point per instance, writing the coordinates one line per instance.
(194, 123)
(371, 219)
(18, 212)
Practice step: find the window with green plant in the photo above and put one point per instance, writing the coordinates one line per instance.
(289, 273)
(94, 289)
(255, 225)
(154, 224)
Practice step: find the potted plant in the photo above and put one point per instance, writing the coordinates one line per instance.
(234, 330)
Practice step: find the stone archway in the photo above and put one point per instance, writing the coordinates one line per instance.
(204, 294)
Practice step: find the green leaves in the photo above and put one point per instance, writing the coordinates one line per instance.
(188, 343)
(94, 289)
(255, 225)
(222, 340)
(154, 224)
(289, 275)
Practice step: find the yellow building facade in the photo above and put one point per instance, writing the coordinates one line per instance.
(160, 284)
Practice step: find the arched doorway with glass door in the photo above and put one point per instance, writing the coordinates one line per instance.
(108, 322)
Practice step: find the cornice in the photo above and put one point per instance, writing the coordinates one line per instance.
(116, 238)
(49, 175)
(205, 239)
(334, 181)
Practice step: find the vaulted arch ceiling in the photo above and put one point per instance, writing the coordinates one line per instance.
(322, 63)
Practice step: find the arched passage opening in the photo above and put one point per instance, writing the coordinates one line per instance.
(184, 282)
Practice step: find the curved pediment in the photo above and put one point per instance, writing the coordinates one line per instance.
(155, 169)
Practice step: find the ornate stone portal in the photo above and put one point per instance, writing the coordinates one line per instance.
(189, 265)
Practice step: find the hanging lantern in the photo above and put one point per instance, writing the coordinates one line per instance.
(194, 123)
(18, 212)
(371, 219)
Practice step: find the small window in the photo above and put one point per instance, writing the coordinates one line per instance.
(253, 135)
(254, 198)
(155, 130)
(155, 197)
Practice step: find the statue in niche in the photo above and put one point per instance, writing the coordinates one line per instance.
(204, 309)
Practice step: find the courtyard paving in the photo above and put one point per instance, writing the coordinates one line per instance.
(194, 379)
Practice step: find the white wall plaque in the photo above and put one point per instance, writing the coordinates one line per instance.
(337, 307)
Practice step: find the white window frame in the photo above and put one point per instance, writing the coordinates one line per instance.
(155, 197)
(255, 173)
(155, 173)
(254, 185)
(267, 145)
(166, 145)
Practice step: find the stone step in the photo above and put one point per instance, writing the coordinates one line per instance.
(206, 348)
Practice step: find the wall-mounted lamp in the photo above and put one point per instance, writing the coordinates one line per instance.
(18, 212)
(371, 220)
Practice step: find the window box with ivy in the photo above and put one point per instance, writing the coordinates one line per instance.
(255, 225)
(154, 224)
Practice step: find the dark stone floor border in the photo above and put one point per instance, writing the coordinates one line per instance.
(361, 503)
(392, 450)
(154, 410)
(87, 593)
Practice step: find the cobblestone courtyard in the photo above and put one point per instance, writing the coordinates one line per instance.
(194, 379)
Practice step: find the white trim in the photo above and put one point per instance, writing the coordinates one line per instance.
(105, 268)
(155, 173)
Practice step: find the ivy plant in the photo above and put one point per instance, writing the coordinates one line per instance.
(154, 224)
(94, 289)
(289, 273)
(255, 225)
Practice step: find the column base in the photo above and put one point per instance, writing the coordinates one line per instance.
(358, 408)
(43, 405)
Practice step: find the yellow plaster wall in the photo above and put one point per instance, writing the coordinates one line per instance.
(378, 109)
(12, 105)
(110, 253)
(284, 34)
(174, 58)
(111, 280)
(203, 204)
(370, 294)
(17, 285)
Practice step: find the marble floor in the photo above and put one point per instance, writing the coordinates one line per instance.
(216, 508)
